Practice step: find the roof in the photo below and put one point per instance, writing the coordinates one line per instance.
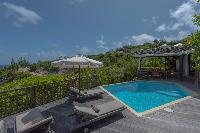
(164, 50)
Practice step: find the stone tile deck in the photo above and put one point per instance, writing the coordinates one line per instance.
(184, 119)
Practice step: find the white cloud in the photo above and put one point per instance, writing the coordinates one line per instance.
(175, 26)
(101, 41)
(125, 41)
(164, 28)
(152, 20)
(101, 44)
(84, 50)
(182, 34)
(49, 54)
(73, 2)
(143, 38)
(179, 36)
(183, 17)
(139, 39)
(118, 44)
(184, 13)
(20, 14)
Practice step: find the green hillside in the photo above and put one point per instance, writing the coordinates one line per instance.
(119, 66)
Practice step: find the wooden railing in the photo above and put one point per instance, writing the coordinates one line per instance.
(17, 100)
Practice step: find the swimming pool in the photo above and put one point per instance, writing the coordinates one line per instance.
(141, 96)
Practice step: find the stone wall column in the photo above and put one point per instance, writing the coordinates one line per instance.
(181, 67)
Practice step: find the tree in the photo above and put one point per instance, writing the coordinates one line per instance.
(197, 17)
(13, 65)
(23, 62)
(195, 41)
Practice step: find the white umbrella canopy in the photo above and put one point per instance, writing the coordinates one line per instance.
(76, 62)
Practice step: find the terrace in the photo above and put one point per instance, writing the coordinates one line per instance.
(184, 118)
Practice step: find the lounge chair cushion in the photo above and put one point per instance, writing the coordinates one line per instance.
(103, 108)
(29, 120)
(92, 92)
(2, 127)
(87, 92)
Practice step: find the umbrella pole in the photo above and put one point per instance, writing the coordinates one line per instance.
(79, 79)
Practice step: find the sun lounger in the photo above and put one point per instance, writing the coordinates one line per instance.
(32, 122)
(84, 95)
(92, 114)
(2, 127)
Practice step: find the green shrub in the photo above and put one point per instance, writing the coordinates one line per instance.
(19, 93)
(32, 81)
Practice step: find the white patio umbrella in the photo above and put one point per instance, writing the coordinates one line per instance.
(77, 62)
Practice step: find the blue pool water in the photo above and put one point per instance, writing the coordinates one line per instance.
(145, 95)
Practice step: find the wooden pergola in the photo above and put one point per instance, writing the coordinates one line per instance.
(178, 52)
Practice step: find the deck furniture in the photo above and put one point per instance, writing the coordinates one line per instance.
(172, 74)
(81, 96)
(2, 127)
(144, 74)
(89, 115)
(156, 74)
(32, 122)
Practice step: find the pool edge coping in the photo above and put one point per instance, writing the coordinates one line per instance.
(150, 110)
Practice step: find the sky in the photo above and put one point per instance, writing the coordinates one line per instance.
(48, 29)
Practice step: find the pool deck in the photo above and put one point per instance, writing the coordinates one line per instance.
(185, 118)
